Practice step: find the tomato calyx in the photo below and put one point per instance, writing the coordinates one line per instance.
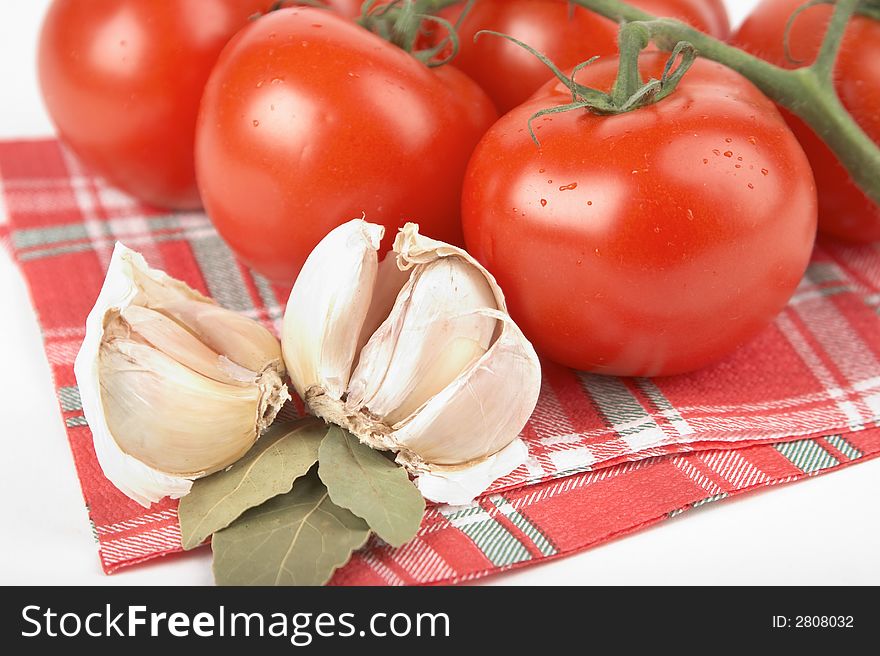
(629, 92)
(401, 22)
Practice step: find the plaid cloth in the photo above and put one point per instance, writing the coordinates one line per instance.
(607, 455)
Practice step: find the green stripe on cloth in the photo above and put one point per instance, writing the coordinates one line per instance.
(844, 447)
(807, 455)
(273, 304)
(664, 406)
(696, 504)
(41, 253)
(622, 410)
(614, 399)
(712, 499)
(69, 399)
(50, 235)
(72, 422)
(221, 273)
(530, 530)
(819, 272)
(499, 546)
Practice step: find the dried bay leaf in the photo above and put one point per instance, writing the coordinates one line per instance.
(298, 538)
(371, 486)
(286, 452)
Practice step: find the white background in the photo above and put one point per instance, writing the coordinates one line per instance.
(820, 531)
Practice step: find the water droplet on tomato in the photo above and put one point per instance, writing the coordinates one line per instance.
(569, 187)
(271, 108)
(729, 140)
(728, 153)
(549, 181)
(751, 186)
(589, 202)
(739, 166)
(717, 152)
(259, 84)
(705, 161)
(543, 202)
(765, 172)
(256, 123)
(753, 140)
(541, 170)
(277, 80)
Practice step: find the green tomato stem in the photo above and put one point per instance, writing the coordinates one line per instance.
(632, 39)
(827, 57)
(807, 92)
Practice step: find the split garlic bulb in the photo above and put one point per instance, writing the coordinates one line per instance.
(416, 355)
(173, 386)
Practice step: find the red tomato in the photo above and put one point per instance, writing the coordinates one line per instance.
(648, 243)
(308, 120)
(844, 211)
(122, 81)
(567, 34)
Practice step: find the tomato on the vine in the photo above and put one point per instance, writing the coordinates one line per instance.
(845, 211)
(309, 120)
(567, 34)
(646, 243)
(122, 80)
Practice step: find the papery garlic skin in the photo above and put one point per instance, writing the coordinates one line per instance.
(164, 407)
(447, 380)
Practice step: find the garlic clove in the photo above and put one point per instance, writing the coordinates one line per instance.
(476, 414)
(433, 333)
(238, 338)
(169, 337)
(328, 306)
(389, 282)
(162, 405)
(203, 425)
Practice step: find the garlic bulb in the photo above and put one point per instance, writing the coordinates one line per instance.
(416, 355)
(173, 386)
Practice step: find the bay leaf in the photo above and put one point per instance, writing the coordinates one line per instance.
(297, 538)
(284, 453)
(371, 486)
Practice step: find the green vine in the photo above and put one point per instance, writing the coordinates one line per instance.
(807, 91)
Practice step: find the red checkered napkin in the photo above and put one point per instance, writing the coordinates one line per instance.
(607, 455)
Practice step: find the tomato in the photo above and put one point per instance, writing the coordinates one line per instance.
(648, 243)
(122, 80)
(309, 120)
(567, 34)
(844, 210)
